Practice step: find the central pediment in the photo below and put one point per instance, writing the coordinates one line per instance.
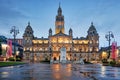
(60, 34)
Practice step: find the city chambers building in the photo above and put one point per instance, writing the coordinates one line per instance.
(40, 49)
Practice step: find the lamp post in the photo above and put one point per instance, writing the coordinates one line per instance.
(108, 36)
(15, 31)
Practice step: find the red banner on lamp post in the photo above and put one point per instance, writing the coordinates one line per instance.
(114, 50)
(9, 48)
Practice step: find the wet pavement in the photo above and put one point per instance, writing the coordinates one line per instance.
(44, 71)
(39, 71)
(98, 72)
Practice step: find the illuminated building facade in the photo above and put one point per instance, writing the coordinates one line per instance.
(39, 49)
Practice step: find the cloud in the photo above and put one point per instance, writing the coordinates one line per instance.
(8, 13)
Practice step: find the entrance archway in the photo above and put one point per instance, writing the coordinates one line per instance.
(54, 58)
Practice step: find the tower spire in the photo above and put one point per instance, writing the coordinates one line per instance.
(91, 23)
(29, 23)
(59, 4)
(59, 23)
(59, 10)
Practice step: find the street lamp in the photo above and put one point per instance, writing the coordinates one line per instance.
(108, 36)
(15, 31)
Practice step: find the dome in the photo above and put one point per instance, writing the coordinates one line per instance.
(92, 27)
(28, 28)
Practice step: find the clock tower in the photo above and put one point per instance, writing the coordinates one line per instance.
(59, 23)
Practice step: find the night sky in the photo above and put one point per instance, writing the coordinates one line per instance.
(78, 14)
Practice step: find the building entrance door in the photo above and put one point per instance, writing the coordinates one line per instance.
(54, 58)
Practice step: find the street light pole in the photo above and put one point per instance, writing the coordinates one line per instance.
(108, 37)
(15, 32)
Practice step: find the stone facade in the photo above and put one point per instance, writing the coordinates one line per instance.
(38, 49)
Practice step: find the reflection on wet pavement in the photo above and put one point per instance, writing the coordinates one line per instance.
(39, 71)
(99, 72)
(43, 71)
